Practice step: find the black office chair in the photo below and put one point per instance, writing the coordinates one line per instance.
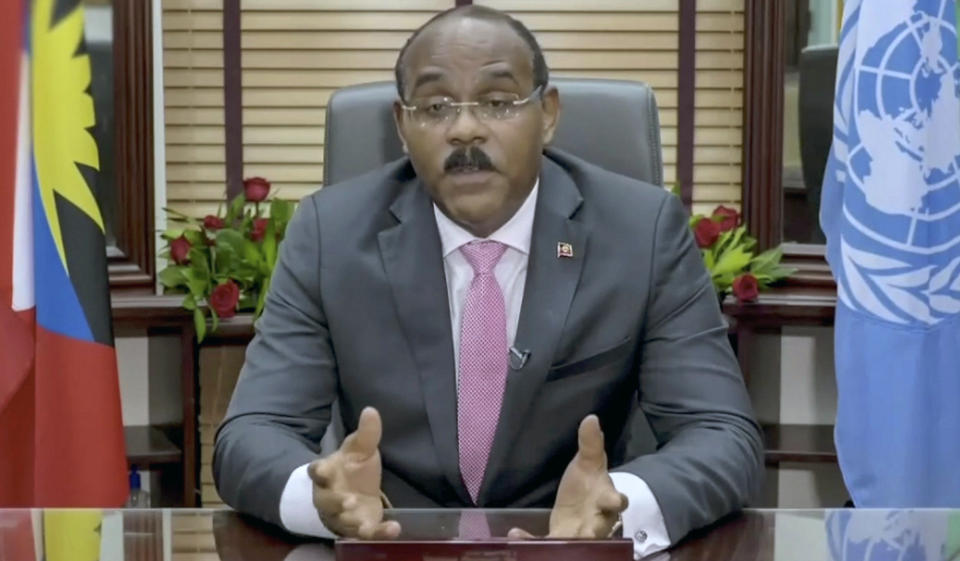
(818, 71)
(611, 123)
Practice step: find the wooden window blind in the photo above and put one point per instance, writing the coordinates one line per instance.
(193, 97)
(718, 119)
(297, 52)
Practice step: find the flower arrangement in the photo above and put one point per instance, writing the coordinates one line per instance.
(223, 263)
(728, 253)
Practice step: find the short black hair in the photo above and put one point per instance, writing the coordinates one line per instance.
(541, 74)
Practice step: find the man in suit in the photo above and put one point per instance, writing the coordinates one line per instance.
(479, 310)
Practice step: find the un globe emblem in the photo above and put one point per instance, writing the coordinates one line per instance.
(880, 535)
(897, 149)
(905, 134)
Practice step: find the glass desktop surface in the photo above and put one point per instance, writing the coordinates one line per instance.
(211, 534)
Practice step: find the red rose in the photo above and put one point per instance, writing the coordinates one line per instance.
(745, 287)
(259, 229)
(256, 189)
(224, 299)
(706, 232)
(211, 222)
(179, 249)
(728, 218)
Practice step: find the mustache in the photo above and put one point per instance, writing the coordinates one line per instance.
(472, 157)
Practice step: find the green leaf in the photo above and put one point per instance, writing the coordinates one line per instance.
(200, 262)
(232, 239)
(709, 259)
(172, 233)
(172, 277)
(226, 258)
(189, 302)
(730, 238)
(766, 261)
(722, 242)
(676, 189)
(281, 211)
(176, 213)
(251, 253)
(270, 247)
(200, 324)
(195, 237)
(262, 298)
(724, 281)
(214, 320)
(235, 210)
(196, 282)
(781, 273)
(732, 261)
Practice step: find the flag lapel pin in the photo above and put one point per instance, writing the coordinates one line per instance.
(564, 250)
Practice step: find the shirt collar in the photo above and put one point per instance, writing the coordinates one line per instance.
(516, 233)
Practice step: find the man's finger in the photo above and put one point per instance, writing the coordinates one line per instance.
(363, 442)
(331, 503)
(520, 534)
(322, 472)
(388, 530)
(370, 530)
(590, 440)
(612, 501)
(355, 518)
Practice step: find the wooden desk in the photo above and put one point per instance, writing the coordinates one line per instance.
(758, 535)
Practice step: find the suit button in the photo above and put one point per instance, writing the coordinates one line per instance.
(640, 536)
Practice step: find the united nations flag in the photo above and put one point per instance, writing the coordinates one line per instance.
(891, 212)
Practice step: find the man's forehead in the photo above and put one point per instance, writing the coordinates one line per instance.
(491, 45)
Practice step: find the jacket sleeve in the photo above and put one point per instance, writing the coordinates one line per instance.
(282, 402)
(709, 458)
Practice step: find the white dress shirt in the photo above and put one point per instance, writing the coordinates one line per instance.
(642, 521)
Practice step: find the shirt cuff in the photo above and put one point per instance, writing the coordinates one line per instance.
(297, 513)
(643, 520)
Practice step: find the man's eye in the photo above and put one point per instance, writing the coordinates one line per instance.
(436, 107)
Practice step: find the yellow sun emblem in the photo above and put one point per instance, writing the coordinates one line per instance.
(62, 115)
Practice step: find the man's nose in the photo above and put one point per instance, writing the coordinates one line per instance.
(466, 128)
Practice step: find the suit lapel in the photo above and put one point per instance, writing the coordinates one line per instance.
(413, 261)
(548, 292)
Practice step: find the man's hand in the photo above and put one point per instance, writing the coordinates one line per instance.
(346, 484)
(587, 504)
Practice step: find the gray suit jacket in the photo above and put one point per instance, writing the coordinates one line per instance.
(357, 312)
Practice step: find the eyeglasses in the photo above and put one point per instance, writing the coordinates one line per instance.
(492, 107)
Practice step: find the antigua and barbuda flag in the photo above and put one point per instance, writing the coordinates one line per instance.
(891, 213)
(61, 431)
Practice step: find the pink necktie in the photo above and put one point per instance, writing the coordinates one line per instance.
(473, 525)
(483, 363)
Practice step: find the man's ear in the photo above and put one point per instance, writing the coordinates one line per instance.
(398, 117)
(551, 113)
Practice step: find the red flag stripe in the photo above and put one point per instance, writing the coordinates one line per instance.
(11, 53)
(17, 540)
(78, 424)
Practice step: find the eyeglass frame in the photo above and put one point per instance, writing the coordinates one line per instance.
(459, 105)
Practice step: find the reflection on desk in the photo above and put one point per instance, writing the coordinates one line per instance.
(214, 535)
